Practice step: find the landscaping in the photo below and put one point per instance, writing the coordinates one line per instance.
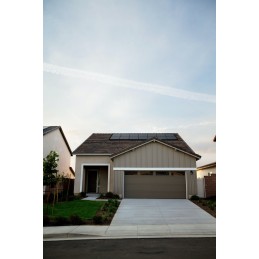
(79, 212)
(207, 204)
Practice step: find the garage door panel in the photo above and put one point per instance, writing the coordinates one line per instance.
(149, 186)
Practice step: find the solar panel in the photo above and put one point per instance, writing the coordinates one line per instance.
(134, 136)
(151, 135)
(124, 136)
(142, 136)
(115, 136)
(170, 136)
(161, 136)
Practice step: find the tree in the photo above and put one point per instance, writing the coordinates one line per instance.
(50, 171)
(50, 176)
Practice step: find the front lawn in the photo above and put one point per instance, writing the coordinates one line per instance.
(79, 212)
(83, 209)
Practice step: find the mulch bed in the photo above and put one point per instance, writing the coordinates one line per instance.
(206, 208)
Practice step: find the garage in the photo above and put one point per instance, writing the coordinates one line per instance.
(155, 184)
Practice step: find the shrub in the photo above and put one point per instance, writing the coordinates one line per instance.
(83, 194)
(98, 219)
(195, 198)
(76, 220)
(213, 198)
(61, 221)
(46, 220)
(102, 196)
(109, 195)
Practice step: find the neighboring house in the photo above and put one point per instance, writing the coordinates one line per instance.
(54, 139)
(136, 165)
(206, 179)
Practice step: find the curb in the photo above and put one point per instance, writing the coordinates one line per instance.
(64, 237)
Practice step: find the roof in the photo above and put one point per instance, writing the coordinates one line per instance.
(48, 129)
(72, 170)
(102, 144)
(207, 166)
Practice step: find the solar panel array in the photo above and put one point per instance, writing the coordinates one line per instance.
(142, 136)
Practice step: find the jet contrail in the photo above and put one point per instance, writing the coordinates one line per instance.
(115, 81)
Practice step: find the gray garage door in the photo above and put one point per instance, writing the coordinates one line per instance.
(154, 185)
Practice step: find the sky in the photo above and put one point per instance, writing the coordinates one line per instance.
(131, 66)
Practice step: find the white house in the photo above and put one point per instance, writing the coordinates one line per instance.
(54, 139)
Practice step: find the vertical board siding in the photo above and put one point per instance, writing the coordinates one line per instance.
(103, 179)
(118, 182)
(154, 155)
(192, 183)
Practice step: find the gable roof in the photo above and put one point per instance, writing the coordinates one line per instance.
(48, 129)
(207, 166)
(101, 143)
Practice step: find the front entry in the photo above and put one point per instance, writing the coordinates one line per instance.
(92, 178)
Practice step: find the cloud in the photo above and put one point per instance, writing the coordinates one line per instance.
(115, 81)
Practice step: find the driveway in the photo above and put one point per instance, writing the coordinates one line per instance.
(165, 217)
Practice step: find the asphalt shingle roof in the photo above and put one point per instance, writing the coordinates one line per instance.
(100, 143)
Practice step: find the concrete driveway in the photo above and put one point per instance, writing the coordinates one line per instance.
(167, 217)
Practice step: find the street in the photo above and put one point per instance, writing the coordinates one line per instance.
(173, 248)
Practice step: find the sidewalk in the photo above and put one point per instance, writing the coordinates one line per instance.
(132, 231)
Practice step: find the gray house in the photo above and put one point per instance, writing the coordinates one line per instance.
(136, 165)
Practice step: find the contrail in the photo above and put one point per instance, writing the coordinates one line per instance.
(154, 88)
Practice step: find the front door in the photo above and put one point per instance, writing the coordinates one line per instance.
(92, 178)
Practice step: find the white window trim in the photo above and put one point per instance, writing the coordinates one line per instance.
(97, 164)
(186, 184)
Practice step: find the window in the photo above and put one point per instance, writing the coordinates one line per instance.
(177, 173)
(131, 172)
(164, 173)
(146, 173)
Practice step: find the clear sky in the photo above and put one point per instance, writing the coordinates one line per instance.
(131, 66)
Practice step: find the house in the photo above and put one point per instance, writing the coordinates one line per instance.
(136, 165)
(54, 139)
(206, 179)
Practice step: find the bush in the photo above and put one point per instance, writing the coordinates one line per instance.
(83, 194)
(213, 198)
(98, 220)
(110, 195)
(46, 220)
(61, 221)
(76, 220)
(195, 198)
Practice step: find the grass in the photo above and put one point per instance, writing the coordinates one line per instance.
(84, 209)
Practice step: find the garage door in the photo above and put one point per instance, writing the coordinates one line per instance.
(154, 185)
